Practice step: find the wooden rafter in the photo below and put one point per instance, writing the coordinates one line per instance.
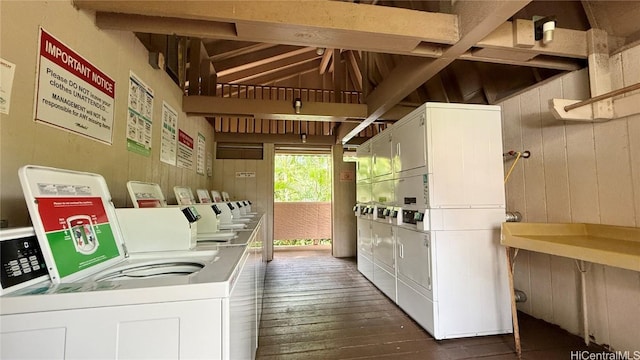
(477, 20)
(274, 65)
(326, 58)
(220, 50)
(353, 66)
(259, 58)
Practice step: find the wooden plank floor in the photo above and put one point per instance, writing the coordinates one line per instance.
(320, 307)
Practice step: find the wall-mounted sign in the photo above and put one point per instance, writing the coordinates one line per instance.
(139, 117)
(200, 154)
(185, 150)
(245, 174)
(7, 70)
(73, 94)
(169, 139)
(347, 175)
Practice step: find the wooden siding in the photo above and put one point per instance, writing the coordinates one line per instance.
(577, 172)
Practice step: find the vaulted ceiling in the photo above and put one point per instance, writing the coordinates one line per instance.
(357, 66)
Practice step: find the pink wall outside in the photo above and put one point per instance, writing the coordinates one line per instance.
(301, 220)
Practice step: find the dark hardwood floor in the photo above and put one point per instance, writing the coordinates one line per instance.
(320, 307)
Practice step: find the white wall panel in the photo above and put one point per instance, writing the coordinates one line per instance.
(586, 172)
(535, 197)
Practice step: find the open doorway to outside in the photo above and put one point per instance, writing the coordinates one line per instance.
(302, 201)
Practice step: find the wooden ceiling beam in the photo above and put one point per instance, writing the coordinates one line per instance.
(477, 20)
(220, 50)
(271, 109)
(280, 139)
(304, 23)
(566, 42)
(259, 58)
(540, 61)
(501, 39)
(288, 65)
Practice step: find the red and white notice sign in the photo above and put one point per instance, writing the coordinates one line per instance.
(185, 150)
(73, 94)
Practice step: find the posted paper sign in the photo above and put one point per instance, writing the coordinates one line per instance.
(72, 93)
(139, 118)
(169, 139)
(7, 70)
(185, 150)
(201, 159)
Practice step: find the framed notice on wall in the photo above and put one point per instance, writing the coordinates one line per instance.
(185, 150)
(139, 116)
(200, 154)
(72, 93)
(169, 139)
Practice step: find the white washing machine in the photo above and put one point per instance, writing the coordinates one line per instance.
(150, 195)
(101, 302)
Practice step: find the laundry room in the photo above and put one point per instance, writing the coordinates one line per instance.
(484, 179)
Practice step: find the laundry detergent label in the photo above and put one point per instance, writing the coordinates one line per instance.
(78, 232)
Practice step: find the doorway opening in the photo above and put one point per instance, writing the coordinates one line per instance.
(302, 200)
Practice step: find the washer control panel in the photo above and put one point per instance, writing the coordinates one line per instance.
(22, 262)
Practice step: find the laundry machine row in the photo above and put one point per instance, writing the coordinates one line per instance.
(430, 203)
(105, 302)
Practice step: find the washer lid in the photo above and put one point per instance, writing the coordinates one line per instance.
(146, 195)
(203, 196)
(74, 220)
(184, 195)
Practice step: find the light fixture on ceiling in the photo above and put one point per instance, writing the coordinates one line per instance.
(544, 27)
(303, 137)
(297, 105)
(320, 51)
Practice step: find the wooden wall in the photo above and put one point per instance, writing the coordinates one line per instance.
(343, 197)
(258, 189)
(23, 141)
(578, 172)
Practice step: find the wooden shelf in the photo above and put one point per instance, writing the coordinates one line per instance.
(615, 246)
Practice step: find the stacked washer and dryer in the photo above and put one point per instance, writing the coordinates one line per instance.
(430, 203)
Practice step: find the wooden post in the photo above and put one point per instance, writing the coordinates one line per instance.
(514, 309)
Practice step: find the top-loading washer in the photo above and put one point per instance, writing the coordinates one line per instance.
(78, 229)
(210, 227)
(146, 194)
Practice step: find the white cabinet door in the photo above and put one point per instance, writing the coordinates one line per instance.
(363, 165)
(414, 260)
(381, 156)
(363, 193)
(382, 192)
(409, 144)
(365, 248)
(383, 245)
(171, 330)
